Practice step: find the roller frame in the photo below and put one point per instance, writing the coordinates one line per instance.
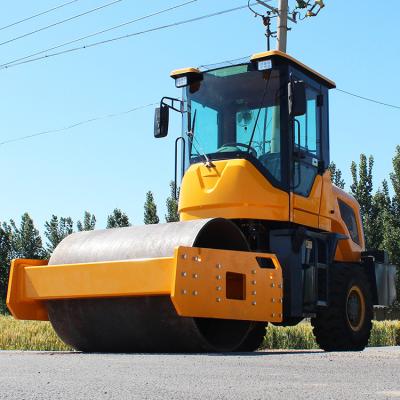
(194, 278)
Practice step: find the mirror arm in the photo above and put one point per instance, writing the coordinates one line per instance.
(171, 104)
(161, 117)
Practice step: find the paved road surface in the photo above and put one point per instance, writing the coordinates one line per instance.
(372, 374)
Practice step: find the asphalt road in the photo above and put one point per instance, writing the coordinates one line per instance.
(372, 374)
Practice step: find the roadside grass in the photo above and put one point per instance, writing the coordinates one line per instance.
(384, 333)
(290, 337)
(28, 335)
(36, 336)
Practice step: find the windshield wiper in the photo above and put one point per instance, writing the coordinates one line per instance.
(207, 162)
(258, 114)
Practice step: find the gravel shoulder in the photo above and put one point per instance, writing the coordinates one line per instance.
(371, 374)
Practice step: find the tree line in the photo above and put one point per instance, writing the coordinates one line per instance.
(380, 212)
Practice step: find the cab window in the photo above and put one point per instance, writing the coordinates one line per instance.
(350, 221)
(307, 138)
(266, 143)
(307, 145)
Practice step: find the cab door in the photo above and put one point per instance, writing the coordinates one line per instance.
(306, 180)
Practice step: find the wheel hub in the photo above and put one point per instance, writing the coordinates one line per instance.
(355, 308)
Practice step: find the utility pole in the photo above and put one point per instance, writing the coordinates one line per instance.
(303, 9)
(282, 25)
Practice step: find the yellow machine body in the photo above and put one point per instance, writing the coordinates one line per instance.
(230, 189)
(235, 189)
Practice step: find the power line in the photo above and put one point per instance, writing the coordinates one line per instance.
(37, 15)
(60, 22)
(74, 125)
(226, 62)
(98, 33)
(187, 21)
(113, 115)
(368, 99)
(229, 62)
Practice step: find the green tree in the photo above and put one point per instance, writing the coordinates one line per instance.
(26, 240)
(395, 179)
(150, 210)
(362, 186)
(172, 204)
(117, 219)
(336, 176)
(56, 230)
(391, 235)
(362, 190)
(5, 259)
(88, 224)
(380, 214)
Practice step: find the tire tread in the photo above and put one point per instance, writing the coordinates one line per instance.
(330, 326)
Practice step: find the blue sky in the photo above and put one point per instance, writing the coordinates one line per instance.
(112, 162)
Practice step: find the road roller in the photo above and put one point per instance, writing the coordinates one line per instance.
(263, 237)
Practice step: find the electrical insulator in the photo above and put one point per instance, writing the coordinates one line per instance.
(301, 4)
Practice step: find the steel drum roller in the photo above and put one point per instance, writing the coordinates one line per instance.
(146, 323)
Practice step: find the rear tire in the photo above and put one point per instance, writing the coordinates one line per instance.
(346, 324)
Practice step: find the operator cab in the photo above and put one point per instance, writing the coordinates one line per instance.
(272, 111)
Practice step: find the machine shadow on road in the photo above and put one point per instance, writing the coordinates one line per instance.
(230, 354)
(267, 353)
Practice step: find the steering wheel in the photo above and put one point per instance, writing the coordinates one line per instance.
(251, 150)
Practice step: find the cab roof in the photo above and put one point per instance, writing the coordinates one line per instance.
(274, 54)
(279, 54)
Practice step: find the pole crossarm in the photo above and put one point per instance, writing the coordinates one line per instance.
(275, 10)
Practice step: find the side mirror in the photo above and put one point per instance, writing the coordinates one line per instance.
(297, 98)
(161, 121)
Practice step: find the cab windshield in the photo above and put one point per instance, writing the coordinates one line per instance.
(235, 112)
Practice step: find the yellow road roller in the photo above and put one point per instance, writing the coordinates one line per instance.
(264, 236)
